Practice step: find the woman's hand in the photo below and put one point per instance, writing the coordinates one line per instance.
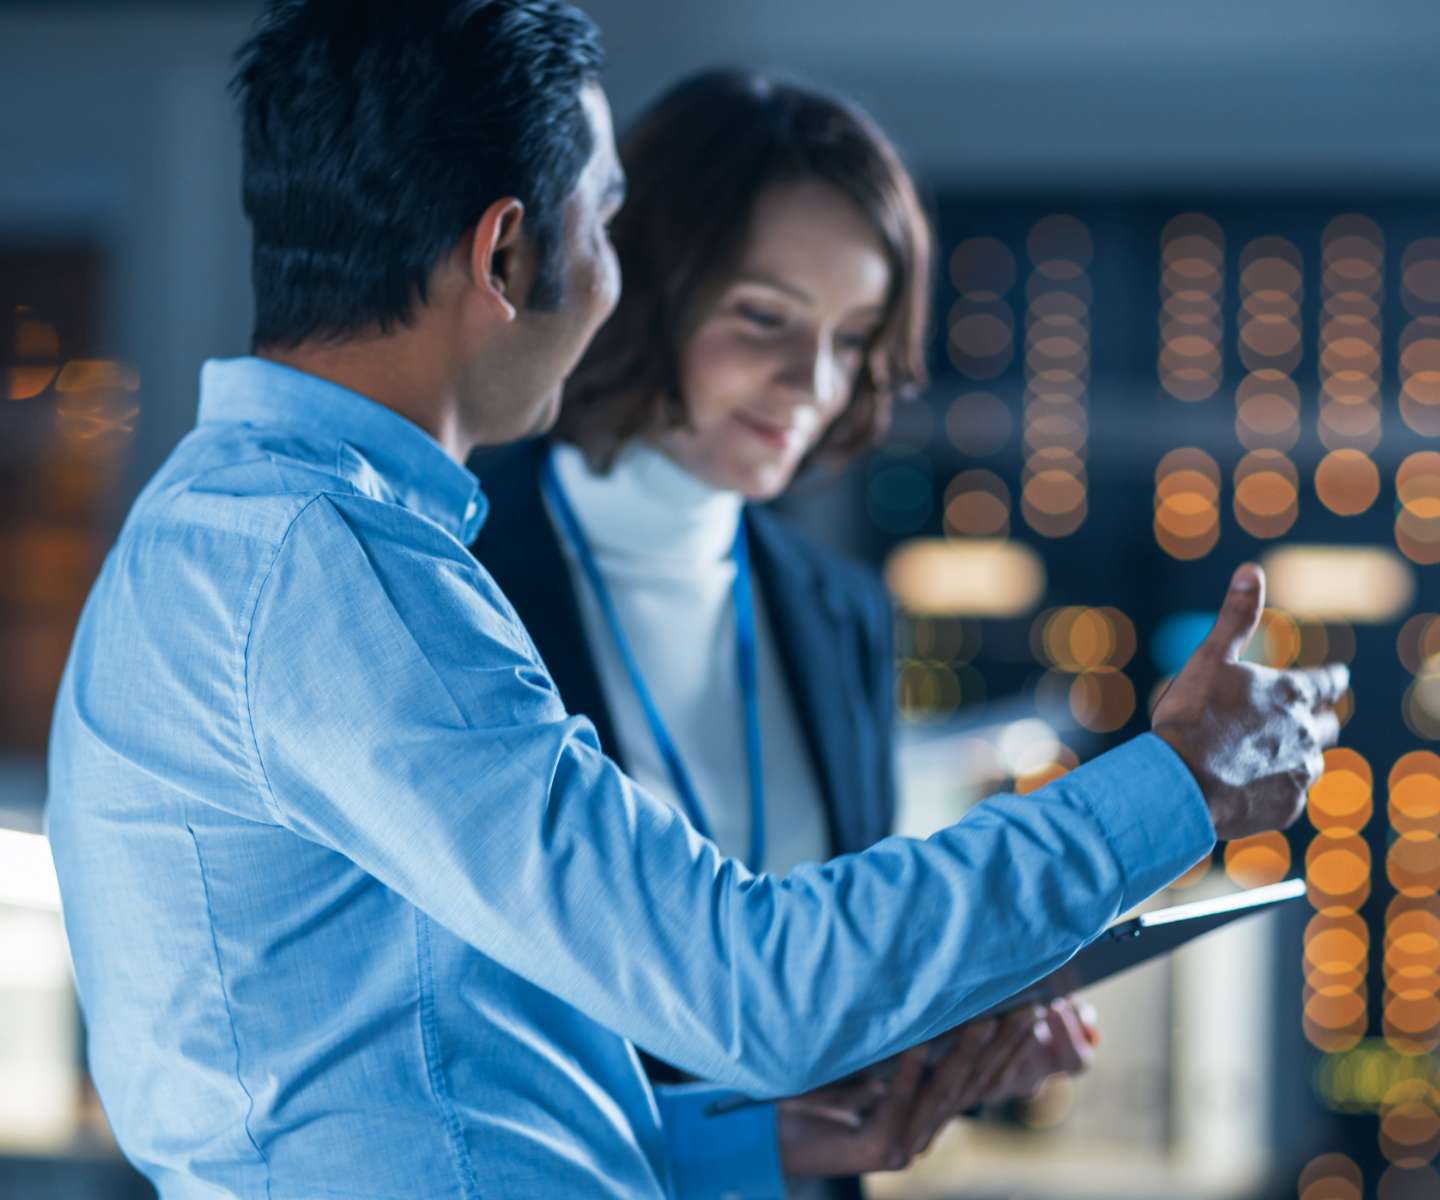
(874, 1123)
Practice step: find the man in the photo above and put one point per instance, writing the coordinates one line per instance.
(356, 908)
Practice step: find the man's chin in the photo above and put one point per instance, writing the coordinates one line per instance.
(522, 424)
(546, 415)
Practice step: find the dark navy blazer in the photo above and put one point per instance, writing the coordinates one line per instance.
(830, 617)
(833, 631)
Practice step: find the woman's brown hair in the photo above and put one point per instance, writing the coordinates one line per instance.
(696, 163)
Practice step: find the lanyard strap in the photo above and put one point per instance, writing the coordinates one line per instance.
(747, 664)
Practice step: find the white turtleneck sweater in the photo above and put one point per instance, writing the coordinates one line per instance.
(662, 540)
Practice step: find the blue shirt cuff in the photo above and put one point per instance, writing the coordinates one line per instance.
(731, 1156)
(1150, 810)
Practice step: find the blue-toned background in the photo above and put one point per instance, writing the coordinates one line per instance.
(1202, 229)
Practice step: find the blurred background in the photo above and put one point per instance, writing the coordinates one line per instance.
(1188, 314)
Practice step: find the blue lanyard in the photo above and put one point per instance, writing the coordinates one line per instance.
(745, 654)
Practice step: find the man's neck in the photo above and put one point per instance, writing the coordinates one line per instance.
(401, 371)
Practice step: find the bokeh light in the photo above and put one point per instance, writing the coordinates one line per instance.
(1257, 861)
(33, 360)
(1054, 491)
(1102, 701)
(1196, 874)
(1337, 874)
(927, 689)
(1033, 778)
(981, 339)
(1337, 868)
(1271, 290)
(1192, 280)
(1087, 649)
(1347, 482)
(1351, 337)
(1420, 706)
(1187, 503)
(1267, 411)
(1408, 1183)
(978, 577)
(1420, 339)
(1417, 523)
(1338, 584)
(982, 266)
(1341, 800)
(1411, 963)
(1420, 375)
(977, 504)
(982, 336)
(1413, 863)
(1414, 804)
(1409, 1124)
(1267, 493)
(1330, 1177)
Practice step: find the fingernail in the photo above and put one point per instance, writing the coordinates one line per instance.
(1042, 1032)
(1088, 1013)
(1245, 580)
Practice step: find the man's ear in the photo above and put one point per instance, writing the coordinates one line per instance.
(499, 257)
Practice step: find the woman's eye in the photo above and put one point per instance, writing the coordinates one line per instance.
(759, 317)
(856, 342)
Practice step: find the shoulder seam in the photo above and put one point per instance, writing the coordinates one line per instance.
(267, 793)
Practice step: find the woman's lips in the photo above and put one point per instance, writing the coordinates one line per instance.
(777, 436)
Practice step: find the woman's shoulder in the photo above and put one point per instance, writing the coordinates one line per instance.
(843, 576)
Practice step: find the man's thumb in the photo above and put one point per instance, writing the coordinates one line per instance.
(1239, 615)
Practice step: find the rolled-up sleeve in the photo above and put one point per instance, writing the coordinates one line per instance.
(401, 716)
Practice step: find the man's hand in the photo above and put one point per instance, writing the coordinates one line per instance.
(1252, 736)
(879, 1124)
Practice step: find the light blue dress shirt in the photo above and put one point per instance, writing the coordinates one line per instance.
(358, 910)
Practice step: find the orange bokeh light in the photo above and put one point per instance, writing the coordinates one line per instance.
(1413, 864)
(1337, 869)
(1257, 861)
(1340, 801)
(1347, 482)
(1267, 490)
(1102, 701)
(1330, 1177)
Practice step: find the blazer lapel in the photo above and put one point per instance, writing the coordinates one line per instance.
(812, 640)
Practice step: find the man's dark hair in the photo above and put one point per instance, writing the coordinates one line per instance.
(376, 132)
(697, 161)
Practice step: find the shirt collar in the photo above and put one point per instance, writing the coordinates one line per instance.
(405, 464)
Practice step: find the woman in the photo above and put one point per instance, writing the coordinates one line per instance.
(776, 268)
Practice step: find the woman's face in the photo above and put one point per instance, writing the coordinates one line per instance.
(774, 355)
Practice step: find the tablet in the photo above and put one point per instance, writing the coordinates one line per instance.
(1130, 943)
(1124, 945)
